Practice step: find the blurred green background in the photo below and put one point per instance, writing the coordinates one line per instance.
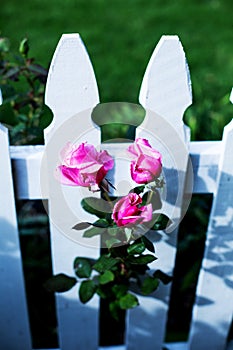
(120, 37)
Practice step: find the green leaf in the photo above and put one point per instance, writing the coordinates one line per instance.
(81, 226)
(9, 94)
(82, 267)
(24, 47)
(149, 285)
(101, 223)
(96, 206)
(162, 276)
(105, 263)
(138, 189)
(128, 301)
(22, 117)
(161, 223)
(115, 309)
(93, 231)
(112, 242)
(136, 248)
(102, 292)
(142, 259)
(87, 290)
(119, 290)
(138, 270)
(4, 44)
(152, 197)
(12, 73)
(106, 277)
(7, 114)
(148, 244)
(113, 231)
(37, 69)
(60, 283)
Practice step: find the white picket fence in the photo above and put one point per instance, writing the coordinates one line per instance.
(165, 91)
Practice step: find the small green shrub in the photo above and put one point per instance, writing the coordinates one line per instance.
(22, 84)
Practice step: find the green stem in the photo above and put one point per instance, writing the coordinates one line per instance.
(105, 195)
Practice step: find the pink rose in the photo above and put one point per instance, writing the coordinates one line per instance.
(83, 166)
(128, 212)
(146, 163)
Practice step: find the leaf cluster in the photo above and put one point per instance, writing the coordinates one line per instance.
(22, 84)
(124, 261)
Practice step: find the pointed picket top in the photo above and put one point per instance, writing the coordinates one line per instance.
(166, 86)
(71, 86)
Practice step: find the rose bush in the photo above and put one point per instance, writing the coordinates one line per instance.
(128, 211)
(83, 166)
(146, 164)
(126, 250)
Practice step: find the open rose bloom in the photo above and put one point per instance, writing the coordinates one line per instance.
(146, 164)
(83, 166)
(129, 212)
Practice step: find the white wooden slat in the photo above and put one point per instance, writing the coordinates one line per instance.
(71, 93)
(1, 100)
(119, 176)
(213, 310)
(165, 94)
(168, 346)
(71, 86)
(166, 85)
(176, 346)
(114, 347)
(205, 159)
(14, 324)
(27, 163)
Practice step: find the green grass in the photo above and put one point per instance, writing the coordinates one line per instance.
(120, 37)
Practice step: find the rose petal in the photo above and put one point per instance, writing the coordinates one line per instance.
(83, 165)
(127, 211)
(67, 176)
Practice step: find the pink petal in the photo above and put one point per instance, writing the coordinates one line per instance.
(67, 176)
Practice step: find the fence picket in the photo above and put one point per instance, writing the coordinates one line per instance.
(166, 86)
(71, 93)
(165, 90)
(213, 310)
(71, 85)
(14, 323)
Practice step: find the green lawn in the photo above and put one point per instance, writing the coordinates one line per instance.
(120, 37)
